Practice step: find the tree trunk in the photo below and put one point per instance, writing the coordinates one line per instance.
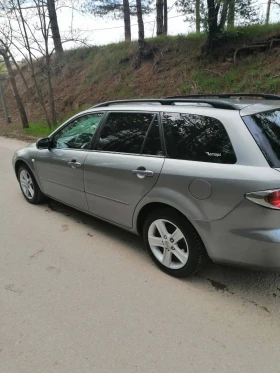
(231, 11)
(54, 26)
(126, 17)
(213, 29)
(159, 6)
(224, 15)
(197, 15)
(50, 87)
(141, 32)
(20, 106)
(267, 12)
(20, 73)
(165, 20)
(6, 115)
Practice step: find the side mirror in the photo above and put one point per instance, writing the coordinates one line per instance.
(43, 143)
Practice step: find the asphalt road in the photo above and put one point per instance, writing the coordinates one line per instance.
(79, 295)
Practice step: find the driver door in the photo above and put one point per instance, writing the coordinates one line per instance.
(61, 168)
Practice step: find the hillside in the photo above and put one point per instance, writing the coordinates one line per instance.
(174, 66)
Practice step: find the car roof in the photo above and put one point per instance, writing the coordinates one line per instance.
(244, 106)
(191, 109)
(258, 106)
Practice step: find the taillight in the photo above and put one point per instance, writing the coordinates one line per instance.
(274, 199)
(265, 198)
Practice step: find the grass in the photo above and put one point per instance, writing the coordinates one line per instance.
(114, 52)
(256, 31)
(3, 69)
(39, 129)
(179, 37)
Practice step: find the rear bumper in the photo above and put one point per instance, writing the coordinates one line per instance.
(248, 236)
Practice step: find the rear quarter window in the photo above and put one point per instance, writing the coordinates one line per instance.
(197, 138)
(265, 128)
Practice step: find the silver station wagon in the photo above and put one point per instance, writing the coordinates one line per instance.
(195, 176)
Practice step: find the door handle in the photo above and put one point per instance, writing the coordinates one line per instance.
(141, 172)
(74, 164)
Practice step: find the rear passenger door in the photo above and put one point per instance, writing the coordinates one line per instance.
(124, 165)
(199, 166)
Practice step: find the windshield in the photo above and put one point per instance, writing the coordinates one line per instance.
(265, 128)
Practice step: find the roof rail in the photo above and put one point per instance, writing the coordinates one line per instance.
(218, 104)
(229, 95)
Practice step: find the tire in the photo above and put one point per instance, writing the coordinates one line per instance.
(29, 186)
(181, 259)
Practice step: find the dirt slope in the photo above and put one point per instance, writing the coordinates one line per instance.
(83, 77)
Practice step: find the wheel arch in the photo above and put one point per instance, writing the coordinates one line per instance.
(152, 206)
(20, 163)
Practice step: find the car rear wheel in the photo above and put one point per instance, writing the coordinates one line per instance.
(173, 243)
(29, 187)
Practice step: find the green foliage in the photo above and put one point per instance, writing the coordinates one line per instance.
(246, 12)
(114, 8)
(187, 7)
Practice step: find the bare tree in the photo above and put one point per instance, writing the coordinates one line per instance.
(33, 41)
(231, 13)
(141, 33)
(127, 24)
(159, 7)
(18, 99)
(4, 105)
(54, 26)
(162, 19)
(6, 35)
(26, 37)
(224, 14)
(165, 17)
(267, 12)
(19, 70)
(197, 16)
(44, 27)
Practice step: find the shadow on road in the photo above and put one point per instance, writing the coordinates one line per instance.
(261, 289)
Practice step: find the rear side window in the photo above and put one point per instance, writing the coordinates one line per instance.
(152, 144)
(265, 128)
(197, 138)
(125, 132)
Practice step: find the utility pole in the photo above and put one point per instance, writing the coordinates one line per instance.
(7, 118)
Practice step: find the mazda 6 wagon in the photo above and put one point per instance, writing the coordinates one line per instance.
(195, 176)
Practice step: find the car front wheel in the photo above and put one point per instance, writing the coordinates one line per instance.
(29, 187)
(173, 243)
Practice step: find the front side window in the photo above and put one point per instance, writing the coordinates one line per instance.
(125, 132)
(197, 138)
(265, 128)
(78, 133)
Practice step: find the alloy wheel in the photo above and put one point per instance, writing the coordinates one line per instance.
(26, 184)
(168, 244)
